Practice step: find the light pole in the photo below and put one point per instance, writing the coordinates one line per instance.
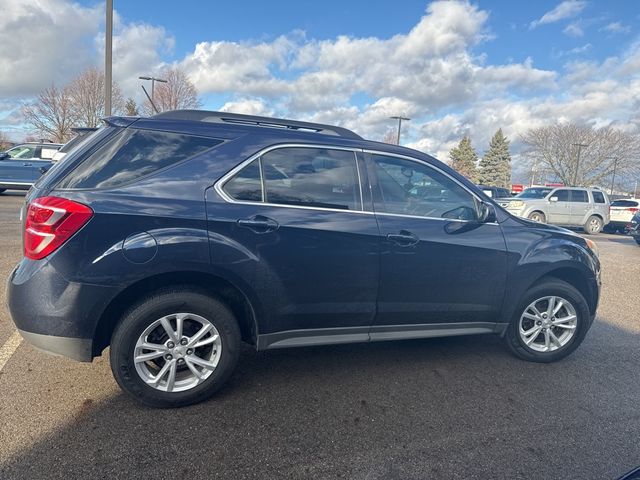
(575, 174)
(613, 178)
(400, 119)
(108, 51)
(153, 84)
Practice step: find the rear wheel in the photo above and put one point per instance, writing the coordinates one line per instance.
(593, 225)
(175, 348)
(551, 321)
(538, 217)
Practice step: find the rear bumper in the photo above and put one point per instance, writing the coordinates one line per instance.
(80, 349)
(54, 314)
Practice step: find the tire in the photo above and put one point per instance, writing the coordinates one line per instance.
(2, 190)
(197, 310)
(538, 217)
(593, 226)
(547, 288)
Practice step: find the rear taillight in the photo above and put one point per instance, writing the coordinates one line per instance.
(50, 222)
(632, 210)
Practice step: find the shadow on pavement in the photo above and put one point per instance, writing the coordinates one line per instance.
(442, 408)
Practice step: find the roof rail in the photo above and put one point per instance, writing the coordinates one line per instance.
(240, 119)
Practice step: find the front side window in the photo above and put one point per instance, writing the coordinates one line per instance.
(561, 195)
(410, 188)
(579, 196)
(131, 154)
(21, 152)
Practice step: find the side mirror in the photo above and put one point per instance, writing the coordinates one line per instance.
(553, 199)
(486, 213)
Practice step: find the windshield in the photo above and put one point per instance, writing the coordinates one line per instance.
(534, 193)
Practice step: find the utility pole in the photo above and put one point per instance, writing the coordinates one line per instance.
(400, 119)
(575, 174)
(153, 84)
(613, 178)
(108, 52)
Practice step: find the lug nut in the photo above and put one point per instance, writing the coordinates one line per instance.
(169, 357)
(171, 345)
(180, 361)
(183, 341)
(190, 351)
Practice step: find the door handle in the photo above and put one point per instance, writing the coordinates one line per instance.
(404, 238)
(27, 164)
(259, 224)
(42, 170)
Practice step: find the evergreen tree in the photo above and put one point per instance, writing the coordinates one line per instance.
(464, 159)
(131, 108)
(495, 166)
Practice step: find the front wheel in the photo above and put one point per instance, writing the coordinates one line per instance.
(551, 321)
(594, 225)
(538, 217)
(177, 347)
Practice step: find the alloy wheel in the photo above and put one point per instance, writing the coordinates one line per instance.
(548, 324)
(177, 352)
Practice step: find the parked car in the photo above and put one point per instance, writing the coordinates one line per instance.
(621, 212)
(495, 192)
(23, 164)
(567, 206)
(81, 134)
(634, 227)
(172, 238)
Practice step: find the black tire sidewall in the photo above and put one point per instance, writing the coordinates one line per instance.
(139, 317)
(543, 217)
(543, 289)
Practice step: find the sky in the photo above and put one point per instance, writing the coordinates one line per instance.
(454, 67)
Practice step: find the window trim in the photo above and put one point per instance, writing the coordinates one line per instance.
(219, 185)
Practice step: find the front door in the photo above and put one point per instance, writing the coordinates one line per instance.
(439, 266)
(290, 226)
(559, 210)
(16, 171)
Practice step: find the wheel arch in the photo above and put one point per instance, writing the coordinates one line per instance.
(215, 285)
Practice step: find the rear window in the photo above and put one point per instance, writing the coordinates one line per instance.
(598, 197)
(131, 154)
(624, 203)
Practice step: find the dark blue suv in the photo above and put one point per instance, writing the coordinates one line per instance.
(173, 238)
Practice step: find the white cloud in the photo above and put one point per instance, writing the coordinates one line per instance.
(574, 30)
(616, 27)
(42, 42)
(248, 106)
(562, 11)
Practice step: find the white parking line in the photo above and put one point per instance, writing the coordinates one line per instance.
(9, 348)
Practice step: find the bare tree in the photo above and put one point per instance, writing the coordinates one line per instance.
(178, 93)
(580, 155)
(4, 142)
(87, 95)
(391, 136)
(52, 114)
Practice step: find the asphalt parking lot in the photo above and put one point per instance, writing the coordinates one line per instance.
(455, 408)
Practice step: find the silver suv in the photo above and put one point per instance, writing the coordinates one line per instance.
(569, 206)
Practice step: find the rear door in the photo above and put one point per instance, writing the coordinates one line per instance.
(290, 225)
(581, 208)
(559, 211)
(16, 171)
(438, 265)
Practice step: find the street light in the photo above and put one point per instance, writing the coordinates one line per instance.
(153, 83)
(108, 58)
(400, 119)
(575, 174)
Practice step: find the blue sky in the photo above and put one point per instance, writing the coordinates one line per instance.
(455, 67)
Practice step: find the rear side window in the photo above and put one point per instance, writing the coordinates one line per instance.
(131, 154)
(246, 184)
(579, 196)
(598, 197)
